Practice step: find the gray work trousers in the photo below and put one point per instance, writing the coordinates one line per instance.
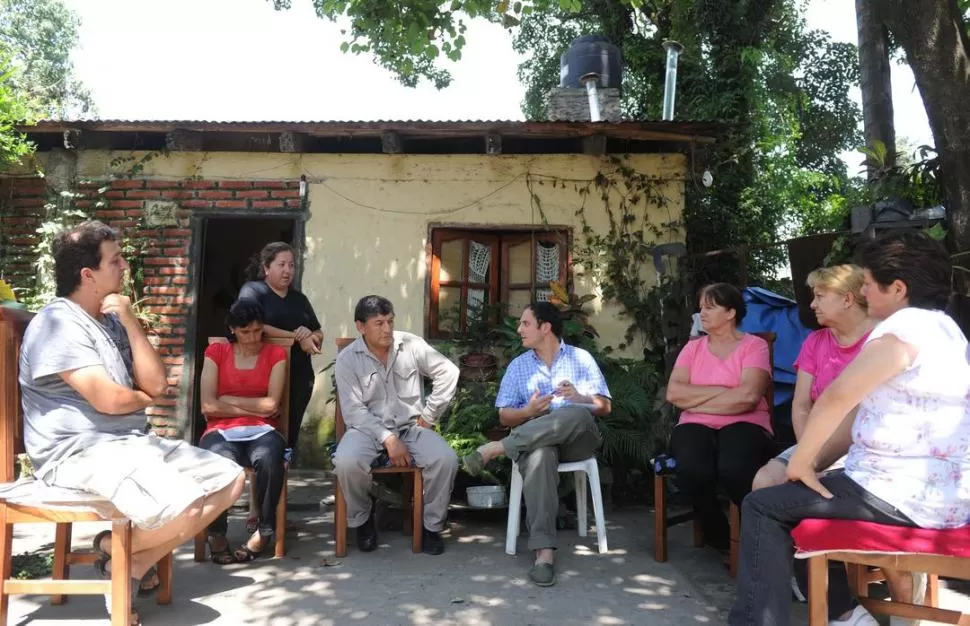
(438, 462)
(538, 446)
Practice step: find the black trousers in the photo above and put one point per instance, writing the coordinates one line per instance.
(265, 456)
(301, 388)
(707, 458)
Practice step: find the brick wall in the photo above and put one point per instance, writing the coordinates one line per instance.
(166, 250)
(572, 105)
(21, 211)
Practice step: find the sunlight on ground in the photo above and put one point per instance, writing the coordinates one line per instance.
(478, 539)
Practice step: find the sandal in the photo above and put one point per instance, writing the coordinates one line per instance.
(96, 545)
(101, 564)
(243, 554)
(151, 574)
(223, 556)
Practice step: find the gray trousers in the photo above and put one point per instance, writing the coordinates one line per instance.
(538, 446)
(438, 462)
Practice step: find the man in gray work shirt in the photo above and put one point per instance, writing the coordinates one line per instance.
(379, 382)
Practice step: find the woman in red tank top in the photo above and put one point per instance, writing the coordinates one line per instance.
(242, 391)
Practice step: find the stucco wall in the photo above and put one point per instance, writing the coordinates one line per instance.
(370, 215)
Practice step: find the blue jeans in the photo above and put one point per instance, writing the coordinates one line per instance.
(767, 519)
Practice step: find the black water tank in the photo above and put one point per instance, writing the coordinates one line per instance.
(591, 54)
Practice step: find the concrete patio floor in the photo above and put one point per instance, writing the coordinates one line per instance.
(474, 582)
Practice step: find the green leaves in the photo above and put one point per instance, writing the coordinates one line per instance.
(40, 35)
(15, 108)
(411, 38)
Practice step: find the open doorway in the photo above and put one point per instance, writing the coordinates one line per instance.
(224, 252)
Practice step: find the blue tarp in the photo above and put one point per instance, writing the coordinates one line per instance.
(771, 312)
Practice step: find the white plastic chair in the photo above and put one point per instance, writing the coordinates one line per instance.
(582, 469)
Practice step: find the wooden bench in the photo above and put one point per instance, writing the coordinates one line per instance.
(33, 509)
(413, 483)
(283, 421)
(861, 545)
(661, 522)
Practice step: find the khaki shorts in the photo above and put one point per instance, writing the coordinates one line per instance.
(148, 479)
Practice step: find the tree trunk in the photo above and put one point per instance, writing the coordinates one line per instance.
(876, 83)
(935, 40)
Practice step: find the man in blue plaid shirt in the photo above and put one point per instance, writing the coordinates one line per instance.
(548, 396)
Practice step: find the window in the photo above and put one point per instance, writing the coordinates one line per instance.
(473, 269)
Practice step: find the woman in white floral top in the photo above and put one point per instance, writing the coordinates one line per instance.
(900, 408)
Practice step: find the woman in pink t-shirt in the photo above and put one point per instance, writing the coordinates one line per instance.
(841, 308)
(724, 432)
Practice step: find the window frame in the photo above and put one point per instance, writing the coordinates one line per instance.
(498, 286)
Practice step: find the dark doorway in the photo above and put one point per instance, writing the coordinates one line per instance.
(223, 254)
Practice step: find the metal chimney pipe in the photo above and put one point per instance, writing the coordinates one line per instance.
(670, 85)
(592, 93)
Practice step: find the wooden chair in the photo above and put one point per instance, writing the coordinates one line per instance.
(413, 483)
(662, 522)
(33, 509)
(280, 539)
(861, 545)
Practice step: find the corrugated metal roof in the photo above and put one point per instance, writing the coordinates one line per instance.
(346, 122)
(644, 130)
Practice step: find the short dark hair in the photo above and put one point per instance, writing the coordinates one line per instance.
(76, 249)
(727, 296)
(914, 259)
(372, 306)
(244, 312)
(547, 313)
(256, 270)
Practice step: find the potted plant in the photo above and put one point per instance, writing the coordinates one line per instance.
(477, 363)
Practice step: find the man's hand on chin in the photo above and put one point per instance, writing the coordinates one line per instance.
(119, 305)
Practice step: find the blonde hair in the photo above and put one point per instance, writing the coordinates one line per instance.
(841, 279)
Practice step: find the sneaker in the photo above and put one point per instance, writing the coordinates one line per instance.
(859, 617)
(367, 535)
(432, 543)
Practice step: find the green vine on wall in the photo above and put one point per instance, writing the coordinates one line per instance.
(621, 258)
(62, 211)
(637, 265)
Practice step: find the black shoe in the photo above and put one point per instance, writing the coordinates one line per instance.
(432, 543)
(367, 535)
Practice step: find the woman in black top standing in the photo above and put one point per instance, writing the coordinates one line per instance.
(288, 314)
